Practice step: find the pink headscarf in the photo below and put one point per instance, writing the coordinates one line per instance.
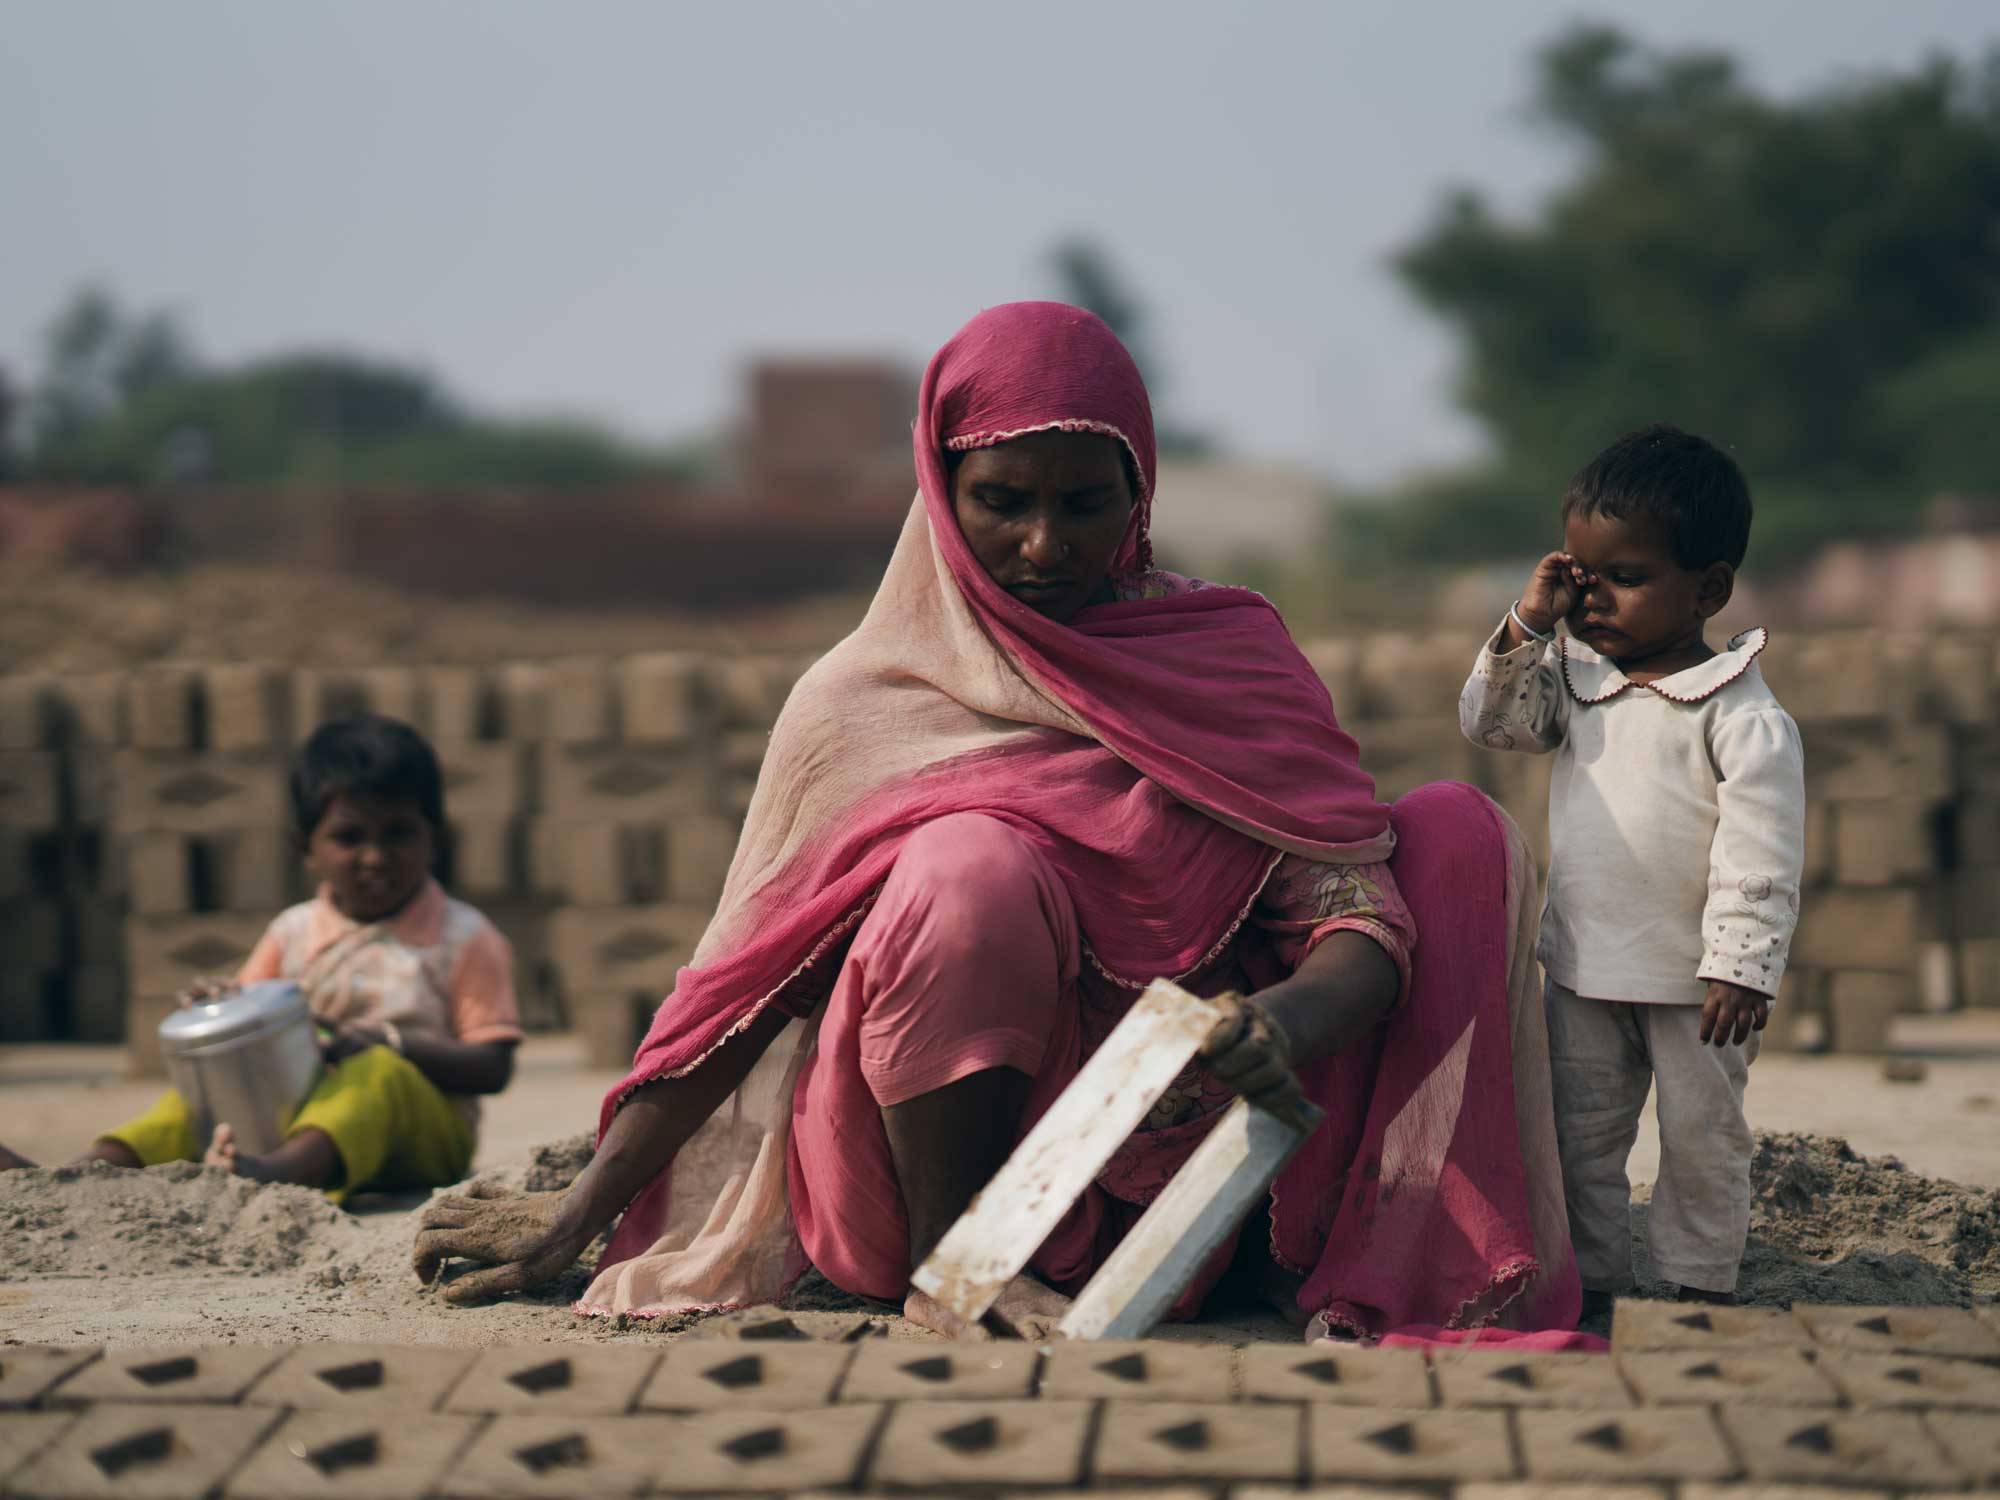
(1162, 750)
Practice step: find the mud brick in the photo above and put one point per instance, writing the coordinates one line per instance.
(30, 789)
(1901, 1330)
(1971, 1440)
(1641, 1327)
(1156, 1440)
(764, 1376)
(1881, 1448)
(198, 793)
(159, 874)
(1913, 1380)
(1487, 1377)
(1337, 660)
(1519, 1490)
(24, 1434)
(611, 1022)
(321, 696)
(549, 1378)
(1139, 1370)
(89, 710)
(162, 710)
(464, 705)
(935, 1444)
(662, 697)
(1339, 1376)
(1979, 972)
(486, 856)
(1403, 1447)
(745, 691)
(17, 863)
(625, 947)
(1861, 1005)
(563, 1457)
(1958, 682)
(26, 717)
(1882, 841)
(1414, 676)
(1874, 929)
(143, 1014)
(1818, 862)
(1758, 1377)
(147, 1452)
(97, 1002)
(485, 781)
(732, 1451)
(175, 1373)
(249, 706)
(254, 869)
(397, 693)
(624, 784)
(523, 691)
(699, 849)
(609, 864)
(582, 701)
(1852, 764)
(1402, 754)
(28, 1371)
(362, 1378)
(31, 936)
(341, 1454)
(163, 955)
(1751, 1491)
(899, 1371)
(1662, 1443)
(30, 1004)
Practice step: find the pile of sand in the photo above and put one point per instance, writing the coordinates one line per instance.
(182, 1218)
(1830, 1225)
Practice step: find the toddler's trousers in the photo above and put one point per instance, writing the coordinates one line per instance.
(1604, 1055)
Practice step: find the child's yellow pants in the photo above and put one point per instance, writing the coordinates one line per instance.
(392, 1126)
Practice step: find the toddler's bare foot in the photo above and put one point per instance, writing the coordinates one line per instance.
(222, 1150)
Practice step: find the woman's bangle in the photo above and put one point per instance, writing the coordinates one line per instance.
(1514, 614)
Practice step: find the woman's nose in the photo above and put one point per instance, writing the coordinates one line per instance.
(1044, 546)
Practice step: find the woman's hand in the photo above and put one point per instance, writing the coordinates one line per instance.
(1248, 1051)
(523, 1239)
(1552, 592)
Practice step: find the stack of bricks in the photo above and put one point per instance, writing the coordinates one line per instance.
(594, 805)
(1696, 1404)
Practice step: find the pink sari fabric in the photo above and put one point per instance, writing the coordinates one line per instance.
(1117, 746)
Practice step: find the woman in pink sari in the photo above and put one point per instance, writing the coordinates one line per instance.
(1040, 774)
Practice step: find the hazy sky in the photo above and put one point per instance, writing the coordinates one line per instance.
(598, 207)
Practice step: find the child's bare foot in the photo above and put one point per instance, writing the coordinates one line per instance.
(12, 1161)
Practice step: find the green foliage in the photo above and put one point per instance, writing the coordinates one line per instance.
(124, 402)
(1814, 284)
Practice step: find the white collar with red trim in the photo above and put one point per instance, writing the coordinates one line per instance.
(1596, 679)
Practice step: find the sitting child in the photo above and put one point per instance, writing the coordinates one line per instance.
(412, 990)
(1677, 837)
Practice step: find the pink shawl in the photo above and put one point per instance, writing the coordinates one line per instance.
(1118, 742)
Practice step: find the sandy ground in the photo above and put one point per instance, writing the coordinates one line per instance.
(184, 1255)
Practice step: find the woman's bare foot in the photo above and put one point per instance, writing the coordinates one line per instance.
(1025, 1309)
(12, 1161)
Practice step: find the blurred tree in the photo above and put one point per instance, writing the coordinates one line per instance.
(1813, 283)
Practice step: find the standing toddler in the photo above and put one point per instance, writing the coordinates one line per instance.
(1677, 834)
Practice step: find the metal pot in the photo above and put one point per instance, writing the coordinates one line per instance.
(247, 1059)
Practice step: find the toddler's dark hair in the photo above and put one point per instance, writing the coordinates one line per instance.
(1686, 483)
(365, 755)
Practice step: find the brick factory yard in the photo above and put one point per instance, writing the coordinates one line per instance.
(78, 1257)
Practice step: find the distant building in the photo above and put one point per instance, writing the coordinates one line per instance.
(1211, 514)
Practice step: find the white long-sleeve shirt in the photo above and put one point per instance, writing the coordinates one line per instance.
(1676, 815)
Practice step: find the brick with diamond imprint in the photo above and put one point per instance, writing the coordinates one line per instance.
(23, 1434)
(1492, 1377)
(544, 1377)
(173, 1374)
(385, 1377)
(1154, 1440)
(337, 1455)
(1661, 1443)
(1914, 1381)
(1344, 1376)
(895, 1370)
(1639, 1327)
(1141, 1370)
(29, 1371)
(522, 1456)
(1971, 1440)
(1404, 1447)
(1900, 1330)
(1765, 1377)
(152, 1451)
(984, 1443)
(1512, 1489)
(729, 1452)
(1880, 1448)
(757, 1376)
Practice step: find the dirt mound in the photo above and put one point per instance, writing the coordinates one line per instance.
(105, 1220)
(1830, 1225)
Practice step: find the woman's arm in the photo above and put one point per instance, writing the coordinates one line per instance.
(527, 1239)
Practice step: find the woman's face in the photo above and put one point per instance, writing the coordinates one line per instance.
(1044, 514)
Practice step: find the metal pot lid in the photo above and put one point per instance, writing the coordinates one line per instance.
(250, 1011)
